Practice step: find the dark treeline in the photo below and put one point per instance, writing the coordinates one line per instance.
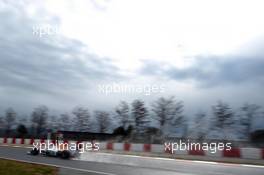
(163, 118)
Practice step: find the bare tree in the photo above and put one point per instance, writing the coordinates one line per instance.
(167, 111)
(39, 119)
(249, 112)
(65, 122)
(81, 119)
(103, 121)
(223, 115)
(122, 111)
(9, 120)
(2, 123)
(200, 126)
(53, 123)
(139, 114)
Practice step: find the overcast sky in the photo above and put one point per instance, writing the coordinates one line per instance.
(198, 51)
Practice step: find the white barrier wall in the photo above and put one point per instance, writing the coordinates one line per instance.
(251, 153)
(137, 147)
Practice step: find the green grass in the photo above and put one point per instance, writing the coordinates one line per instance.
(10, 167)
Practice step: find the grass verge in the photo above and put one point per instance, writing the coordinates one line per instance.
(10, 167)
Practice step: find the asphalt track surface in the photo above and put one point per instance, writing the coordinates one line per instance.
(176, 167)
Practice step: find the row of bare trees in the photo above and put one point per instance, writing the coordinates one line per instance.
(225, 120)
(163, 116)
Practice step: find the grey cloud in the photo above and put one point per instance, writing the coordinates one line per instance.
(47, 64)
(211, 71)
